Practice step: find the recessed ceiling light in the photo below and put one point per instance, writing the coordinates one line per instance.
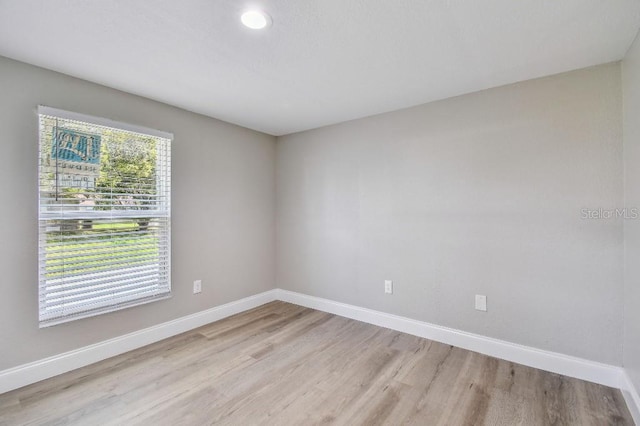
(255, 19)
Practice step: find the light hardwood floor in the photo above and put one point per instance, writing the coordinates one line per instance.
(283, 364)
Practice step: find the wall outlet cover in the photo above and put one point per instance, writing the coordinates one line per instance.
(481, 302)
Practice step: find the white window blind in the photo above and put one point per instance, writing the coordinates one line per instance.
(104, 216)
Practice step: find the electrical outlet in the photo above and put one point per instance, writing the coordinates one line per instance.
(388, 286)
(197, 286)
(481, 303)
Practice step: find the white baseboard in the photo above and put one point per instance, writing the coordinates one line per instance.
(608, 375)
(27, 374)
(631, 396)
(592, 371)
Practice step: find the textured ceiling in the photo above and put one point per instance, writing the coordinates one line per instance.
(322, 61)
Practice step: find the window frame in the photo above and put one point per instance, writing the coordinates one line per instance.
(163, 186)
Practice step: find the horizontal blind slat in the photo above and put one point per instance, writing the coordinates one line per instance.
(50, 317)
(89, 279)
(88, 236)
(104, 300)
(126, 248)
(107, 214)
(82, 269)
(95, 292)
(98, 290)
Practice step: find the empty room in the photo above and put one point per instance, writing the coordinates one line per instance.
(230, 212)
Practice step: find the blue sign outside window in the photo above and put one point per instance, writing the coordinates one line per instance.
(76, 147)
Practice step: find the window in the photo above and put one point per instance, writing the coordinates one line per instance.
(104, 216)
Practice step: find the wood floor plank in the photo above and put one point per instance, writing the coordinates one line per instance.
(282, 364)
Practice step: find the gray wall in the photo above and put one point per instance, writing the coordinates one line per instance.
(631, 95)
(479, 194)
(223, 181)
